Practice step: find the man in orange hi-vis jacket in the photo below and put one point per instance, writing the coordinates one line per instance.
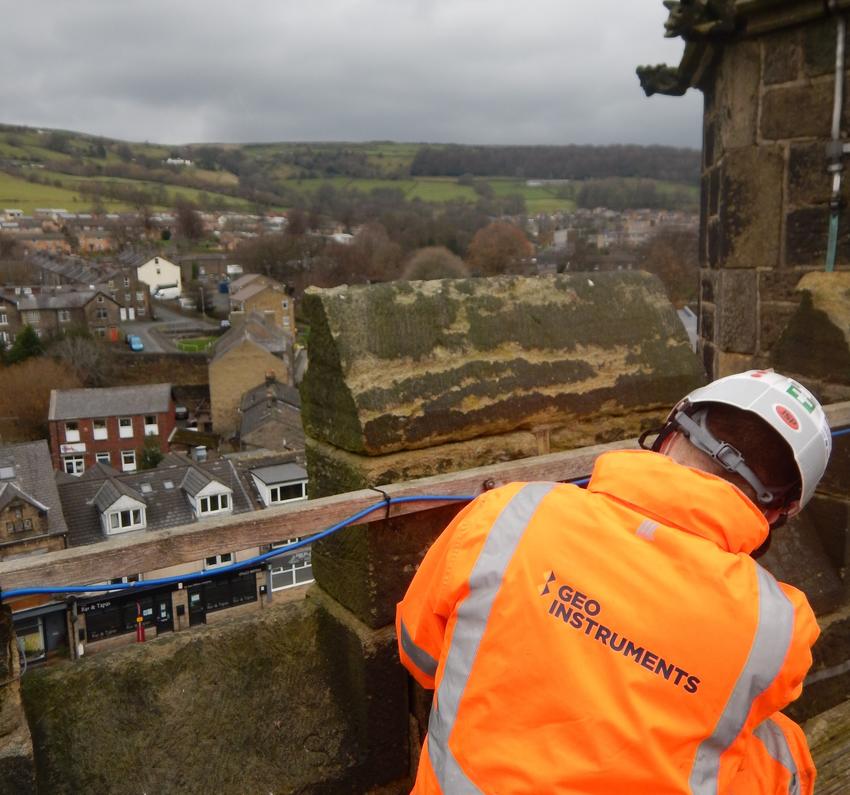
(621, 638)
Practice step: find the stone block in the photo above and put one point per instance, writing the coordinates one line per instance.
(291, 699)
(17, 768)
(819, 47)
(797, 111)
(828, 735)
(830, 516)
(707, 281)
(806, 233)
(796, 556)
(407, 365)
(706, 321)
(816, 341)
(708, 134)
(729, 363)
(367, 568)
(773, 319)
(737, 311)
(707, 353)
(836, 479)
(808, 180)
(828, 682)
(780, 285)
(714, 192)
(782, 57)
(736, 93)
(751, 208)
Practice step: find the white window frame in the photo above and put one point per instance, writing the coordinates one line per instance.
(222, 502)
(277, 572)
(151, 429)
(219, 561)
(31, 317)
(128, 519)
(128, 460)
(100, 433)
(125, 431)
(72, 432)
(103, 457)
(4, 319)
(274, 492)
(64, 315)
(101, 313)
(126, 281)
(74, 464)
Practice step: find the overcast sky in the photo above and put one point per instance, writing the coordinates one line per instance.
(467, 71)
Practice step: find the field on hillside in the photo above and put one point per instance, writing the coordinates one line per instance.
(27, 196)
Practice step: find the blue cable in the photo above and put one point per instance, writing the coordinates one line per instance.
(273, 553)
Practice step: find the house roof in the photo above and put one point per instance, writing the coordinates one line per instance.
(249, 291)
(75, 299)
(280, 473)
(257, 330)
(111, 490)
(245, 280)
(160, 489)
(9, 491)
(273, 404)
(125, 401)
(194, 481)
(31, 473)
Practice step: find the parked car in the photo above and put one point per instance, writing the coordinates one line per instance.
(135, 343)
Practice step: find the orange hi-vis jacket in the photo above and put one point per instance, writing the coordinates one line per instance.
(617, 639)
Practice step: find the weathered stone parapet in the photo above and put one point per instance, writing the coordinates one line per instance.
(300, 698)
(411, 365)
(17, 770)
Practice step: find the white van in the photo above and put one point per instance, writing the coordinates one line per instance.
(167, 292)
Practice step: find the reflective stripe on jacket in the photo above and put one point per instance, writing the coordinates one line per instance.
(614, 639)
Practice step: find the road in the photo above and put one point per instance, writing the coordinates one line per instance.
(166, 319)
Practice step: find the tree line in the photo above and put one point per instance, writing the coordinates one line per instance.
(558, 162)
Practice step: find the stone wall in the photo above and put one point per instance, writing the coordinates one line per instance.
(17, 772)
(765, 188)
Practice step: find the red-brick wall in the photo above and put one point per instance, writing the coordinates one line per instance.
(113, 444)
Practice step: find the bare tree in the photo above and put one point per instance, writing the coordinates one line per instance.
(90, 360)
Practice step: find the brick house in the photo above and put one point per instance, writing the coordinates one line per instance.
(261, 295)
(50, 312)
(247, 354)
(108, 426)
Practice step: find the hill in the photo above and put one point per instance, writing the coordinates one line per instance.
(48, 167)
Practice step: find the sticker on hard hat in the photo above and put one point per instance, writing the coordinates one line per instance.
(802, 397)
(787, 416)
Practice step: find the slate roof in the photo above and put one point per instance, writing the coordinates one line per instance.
(249, 291)
(166, 506)
(256, 329)
(60, 300)
(244, 281)
(273, 403)
(250, 461)
(8, 492)
(111, 491)
(34, 477)
(194, 481)
(124, 401)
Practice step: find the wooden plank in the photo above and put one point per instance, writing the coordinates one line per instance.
(147, 551)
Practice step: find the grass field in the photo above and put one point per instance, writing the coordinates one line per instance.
(196, 344)
(27, 196)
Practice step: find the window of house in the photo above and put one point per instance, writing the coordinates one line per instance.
(74, 464)
(102, 458)
(72, 432)
(146, 488)
(128, 460)
(128, 297)
(100, 299)
(101, 313)
(128, 578)
(140, 297)
(151, 428)
(99, 428)
(5, 337)
(126, 520)
(112, 284)
(125, 427)
(158, 271)
(64, 315)
(31, 317)
(126, 281)
(215, 503)
(100, 331)
(4, 319)
(294, 568)
(140, 311)
(217, 561)
(30, 631)
(287, 492)
(168, 484)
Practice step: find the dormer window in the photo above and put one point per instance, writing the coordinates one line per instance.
(215, 503)
(122, 521)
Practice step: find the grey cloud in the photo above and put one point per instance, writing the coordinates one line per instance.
(488, 71)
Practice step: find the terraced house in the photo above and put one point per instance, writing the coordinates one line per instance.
(108, 426)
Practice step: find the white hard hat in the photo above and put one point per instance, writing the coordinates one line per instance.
(787, 407)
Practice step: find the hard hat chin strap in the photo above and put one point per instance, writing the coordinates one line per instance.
(729, 457)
